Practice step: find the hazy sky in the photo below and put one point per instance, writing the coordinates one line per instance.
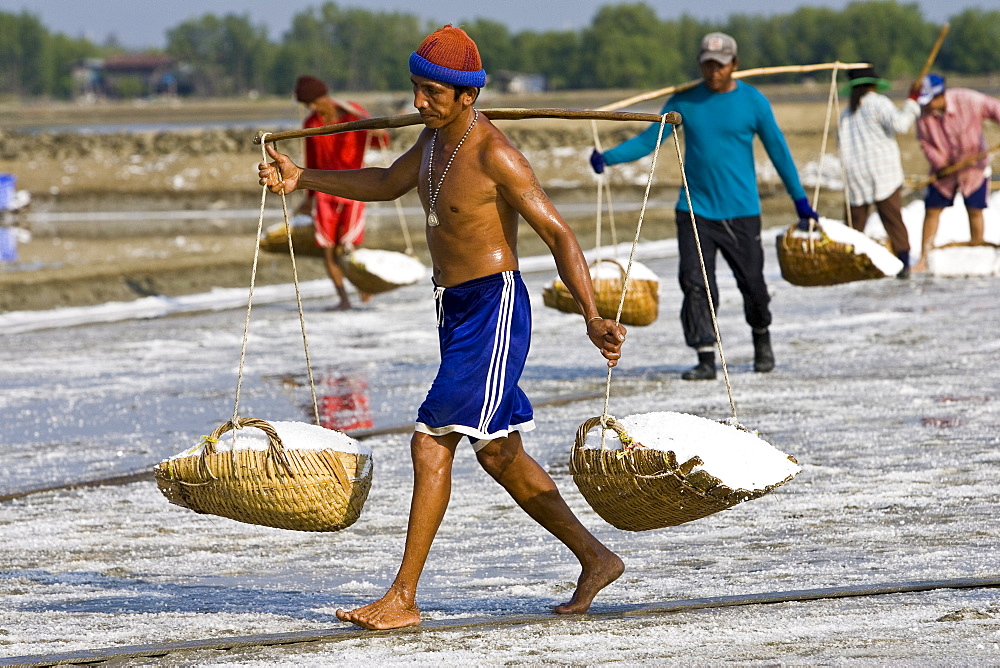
(143, 23)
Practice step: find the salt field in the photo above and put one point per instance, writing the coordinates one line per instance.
(885, 392)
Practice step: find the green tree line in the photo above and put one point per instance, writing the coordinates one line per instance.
(625, 46)
(33, 61)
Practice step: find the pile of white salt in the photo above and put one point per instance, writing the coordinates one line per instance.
(611, 271)
(390, 266)
(300, 220)
(293, 435)
(739, 459)
(880, 256)
(963, 261)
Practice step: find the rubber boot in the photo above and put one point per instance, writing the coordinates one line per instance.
(763, 356)
(705, 369)
(904, 257)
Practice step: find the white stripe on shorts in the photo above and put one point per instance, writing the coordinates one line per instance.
(496, 376)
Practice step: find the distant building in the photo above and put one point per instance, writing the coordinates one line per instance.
(87, 79)
(130, 75)
(518, 82)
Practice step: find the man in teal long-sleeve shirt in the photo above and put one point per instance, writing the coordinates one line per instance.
(720, 118)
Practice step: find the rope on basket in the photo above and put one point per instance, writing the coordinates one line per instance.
(631, 257)
(603, 186)
(843, 170)
(384, 144)
(831, 102)
(704, 276)
(298, 297)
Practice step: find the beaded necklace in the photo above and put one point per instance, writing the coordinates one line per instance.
(432, 192)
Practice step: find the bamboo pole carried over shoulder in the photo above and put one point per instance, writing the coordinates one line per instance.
(383, 122)
(951, 169)
(739, 74)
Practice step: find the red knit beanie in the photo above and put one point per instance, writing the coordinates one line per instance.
(308, 89)
(449, 55)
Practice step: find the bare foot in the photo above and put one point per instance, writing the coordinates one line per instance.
(595, 577)
(389, 612)
(342, 306)
(919, 267)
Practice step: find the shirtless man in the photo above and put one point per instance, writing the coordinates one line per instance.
(473, 185)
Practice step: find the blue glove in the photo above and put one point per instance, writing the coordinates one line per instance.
(803, 209)
(803, 224)
(597, 161)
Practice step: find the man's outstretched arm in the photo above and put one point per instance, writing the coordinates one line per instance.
(371, 184)
(521, 189)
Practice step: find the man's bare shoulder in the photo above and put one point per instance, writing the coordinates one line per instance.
(500, 157)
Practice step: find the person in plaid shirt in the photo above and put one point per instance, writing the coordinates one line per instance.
(870, 155)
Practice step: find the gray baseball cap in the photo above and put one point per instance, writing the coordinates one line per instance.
(717, 46)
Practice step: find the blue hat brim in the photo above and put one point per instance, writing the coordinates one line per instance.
(425, 68)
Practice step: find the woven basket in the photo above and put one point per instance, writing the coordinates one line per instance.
(638, 488)
(823, 261)
(363, 278)
(275, 239)
(304, 490)
(642, 301)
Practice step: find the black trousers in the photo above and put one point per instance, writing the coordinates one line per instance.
(738, 239)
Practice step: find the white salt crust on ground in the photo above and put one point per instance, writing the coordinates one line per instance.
(881, 257)
(740, 459)
(390, 266)
(899, 489)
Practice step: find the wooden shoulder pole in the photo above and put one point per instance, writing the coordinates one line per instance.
(739, 74)
(673, 118)
(951, 169)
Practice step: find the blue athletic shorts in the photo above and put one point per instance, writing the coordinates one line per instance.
(977, 200)
(484, 329)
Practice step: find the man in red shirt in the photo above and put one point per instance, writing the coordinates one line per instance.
(339, 222)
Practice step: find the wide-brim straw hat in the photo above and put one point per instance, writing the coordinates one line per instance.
(863, 76)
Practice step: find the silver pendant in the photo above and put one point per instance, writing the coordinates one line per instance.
(432, 219)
